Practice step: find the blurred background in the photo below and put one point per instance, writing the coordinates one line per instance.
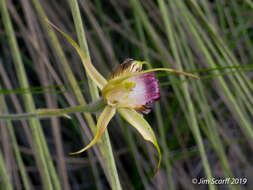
(204, 127)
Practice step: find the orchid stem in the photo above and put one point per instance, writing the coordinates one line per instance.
(47, 113)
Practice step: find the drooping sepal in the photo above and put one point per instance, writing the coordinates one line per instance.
(102, 124)
(142, 126)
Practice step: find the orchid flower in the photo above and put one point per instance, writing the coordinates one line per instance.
(130, 90)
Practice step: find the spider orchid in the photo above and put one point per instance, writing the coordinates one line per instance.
(130, 91)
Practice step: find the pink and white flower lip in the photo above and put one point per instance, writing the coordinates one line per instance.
(145, 93)
(138, 92)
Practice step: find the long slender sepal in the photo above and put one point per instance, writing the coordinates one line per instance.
(102, 123)
(118, 80)
(126, 76)
(99, 80)
(142, 126)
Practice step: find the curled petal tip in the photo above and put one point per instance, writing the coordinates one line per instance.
(186, 74)
(83, 149)
(67, 116)
(155, 172)
(74, 153)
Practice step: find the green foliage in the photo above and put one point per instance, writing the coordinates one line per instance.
(203, 127)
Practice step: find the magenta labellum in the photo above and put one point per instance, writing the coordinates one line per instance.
(145, 92)
(137, 92)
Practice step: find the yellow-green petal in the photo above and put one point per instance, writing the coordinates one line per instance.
(142, 126)
(99, 80)
(102, 123)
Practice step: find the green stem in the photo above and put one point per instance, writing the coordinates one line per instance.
(105, 147)
(42, 113)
